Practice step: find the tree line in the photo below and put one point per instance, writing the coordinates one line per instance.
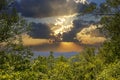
(16, 62)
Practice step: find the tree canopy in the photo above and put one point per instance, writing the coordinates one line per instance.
(16, 61)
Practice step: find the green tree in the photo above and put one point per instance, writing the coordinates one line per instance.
(90, 8)
(40, 64)
(109, 52)
(12, 51)
(110, 72)
(2, 4)
(111, 28)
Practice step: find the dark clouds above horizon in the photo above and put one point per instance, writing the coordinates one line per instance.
(43, 31)
(40, 31)
(45, 14)
(45, 8)
(39, 9)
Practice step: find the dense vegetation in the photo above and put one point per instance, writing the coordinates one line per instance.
(16, 62)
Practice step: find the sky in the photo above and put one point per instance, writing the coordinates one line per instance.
(59, 26)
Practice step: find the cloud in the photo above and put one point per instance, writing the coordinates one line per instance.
(40, 31)
(78, 25)
(44, 45)
(29, 41)
(45, 8)
(68, 26)
(48, 16)
(81, 1)
(90, 35)
(58, 47)
(71, 35)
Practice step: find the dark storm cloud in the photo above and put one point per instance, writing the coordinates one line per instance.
(70, 36)
(40, 31)
(45, 8)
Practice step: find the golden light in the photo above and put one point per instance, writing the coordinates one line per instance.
(29, 41)
(69, 47)
(85, 37)
(63, 25)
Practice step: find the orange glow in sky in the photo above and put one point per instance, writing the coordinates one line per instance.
(69, 47)
(44, 45)
(29, 41)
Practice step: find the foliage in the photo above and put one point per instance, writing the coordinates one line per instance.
(13, 55)
(16, 62)
(90, 8)
(111, 71)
